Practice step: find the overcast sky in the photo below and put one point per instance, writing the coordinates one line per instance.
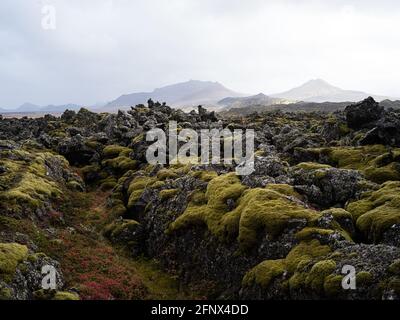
(101, 49)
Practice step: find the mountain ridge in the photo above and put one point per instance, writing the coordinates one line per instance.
(319, 90)
(213, 95)
(258, 99)
(189, 93)
(28, 107)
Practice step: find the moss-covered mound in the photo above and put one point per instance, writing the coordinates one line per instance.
(378, 163)
(123, 231)
(262, 209)
(116, 159)
(377, 211)
(32, 180)
(267, 271)
(143, 180)
(11, 254)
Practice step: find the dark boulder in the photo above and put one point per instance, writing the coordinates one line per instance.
(205, 115)
(77, 151)
(327, 187)
(363, 114)
(386, 131)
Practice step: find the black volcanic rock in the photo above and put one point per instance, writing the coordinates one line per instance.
(386, 131)
(327, 187)
(363, 114)
(76, 151)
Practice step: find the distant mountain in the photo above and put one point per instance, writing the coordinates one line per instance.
(321, 91)
(185, 94)
(60, 108)
(27, 107)
(32, 108)
(390, 104)
(243, 102)
(213, 95)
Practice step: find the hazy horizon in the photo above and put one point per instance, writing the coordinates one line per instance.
(102, 49)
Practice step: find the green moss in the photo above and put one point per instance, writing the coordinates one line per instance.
(165, 174)
(373, 161)
(333, 285)
(222, 188)
(205, 176)
(259, 153)
(114, 230)
(58, 133)
(268, 209)
(391, 172)
(305, 251)
(118, 210)
(74, 186)
(394, 285)
(298, 279)
(11, 254)
(35, 257)
(62, 295)
(181, 168)
(312, 166)
(355, 158)
(284, 189)
(341, 221)
(55, 295)
(364, 278)
(139, 138)
(264, 273)
(394, 268)
(264, 209)
(93, 144)
(375, 222)
(388, 158)
(219, 190)
(337, 213)
(316, 277)
(198, 197)
(137, 187)
(149, 168)
(120, 164)
(158, 184)
(114, 151)
(379, 211)
(360, 207)
(344, 129)
(90, 172)
(168, 194)
(108, 184)
(5, 294)
(310, 233)
(29, 185)
(8, 223)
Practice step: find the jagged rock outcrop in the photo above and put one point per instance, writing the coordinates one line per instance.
(386, 131)
(21, 273)
(363, 114)
(326, 186)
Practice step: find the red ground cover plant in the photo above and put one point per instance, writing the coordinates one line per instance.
(98, 272)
